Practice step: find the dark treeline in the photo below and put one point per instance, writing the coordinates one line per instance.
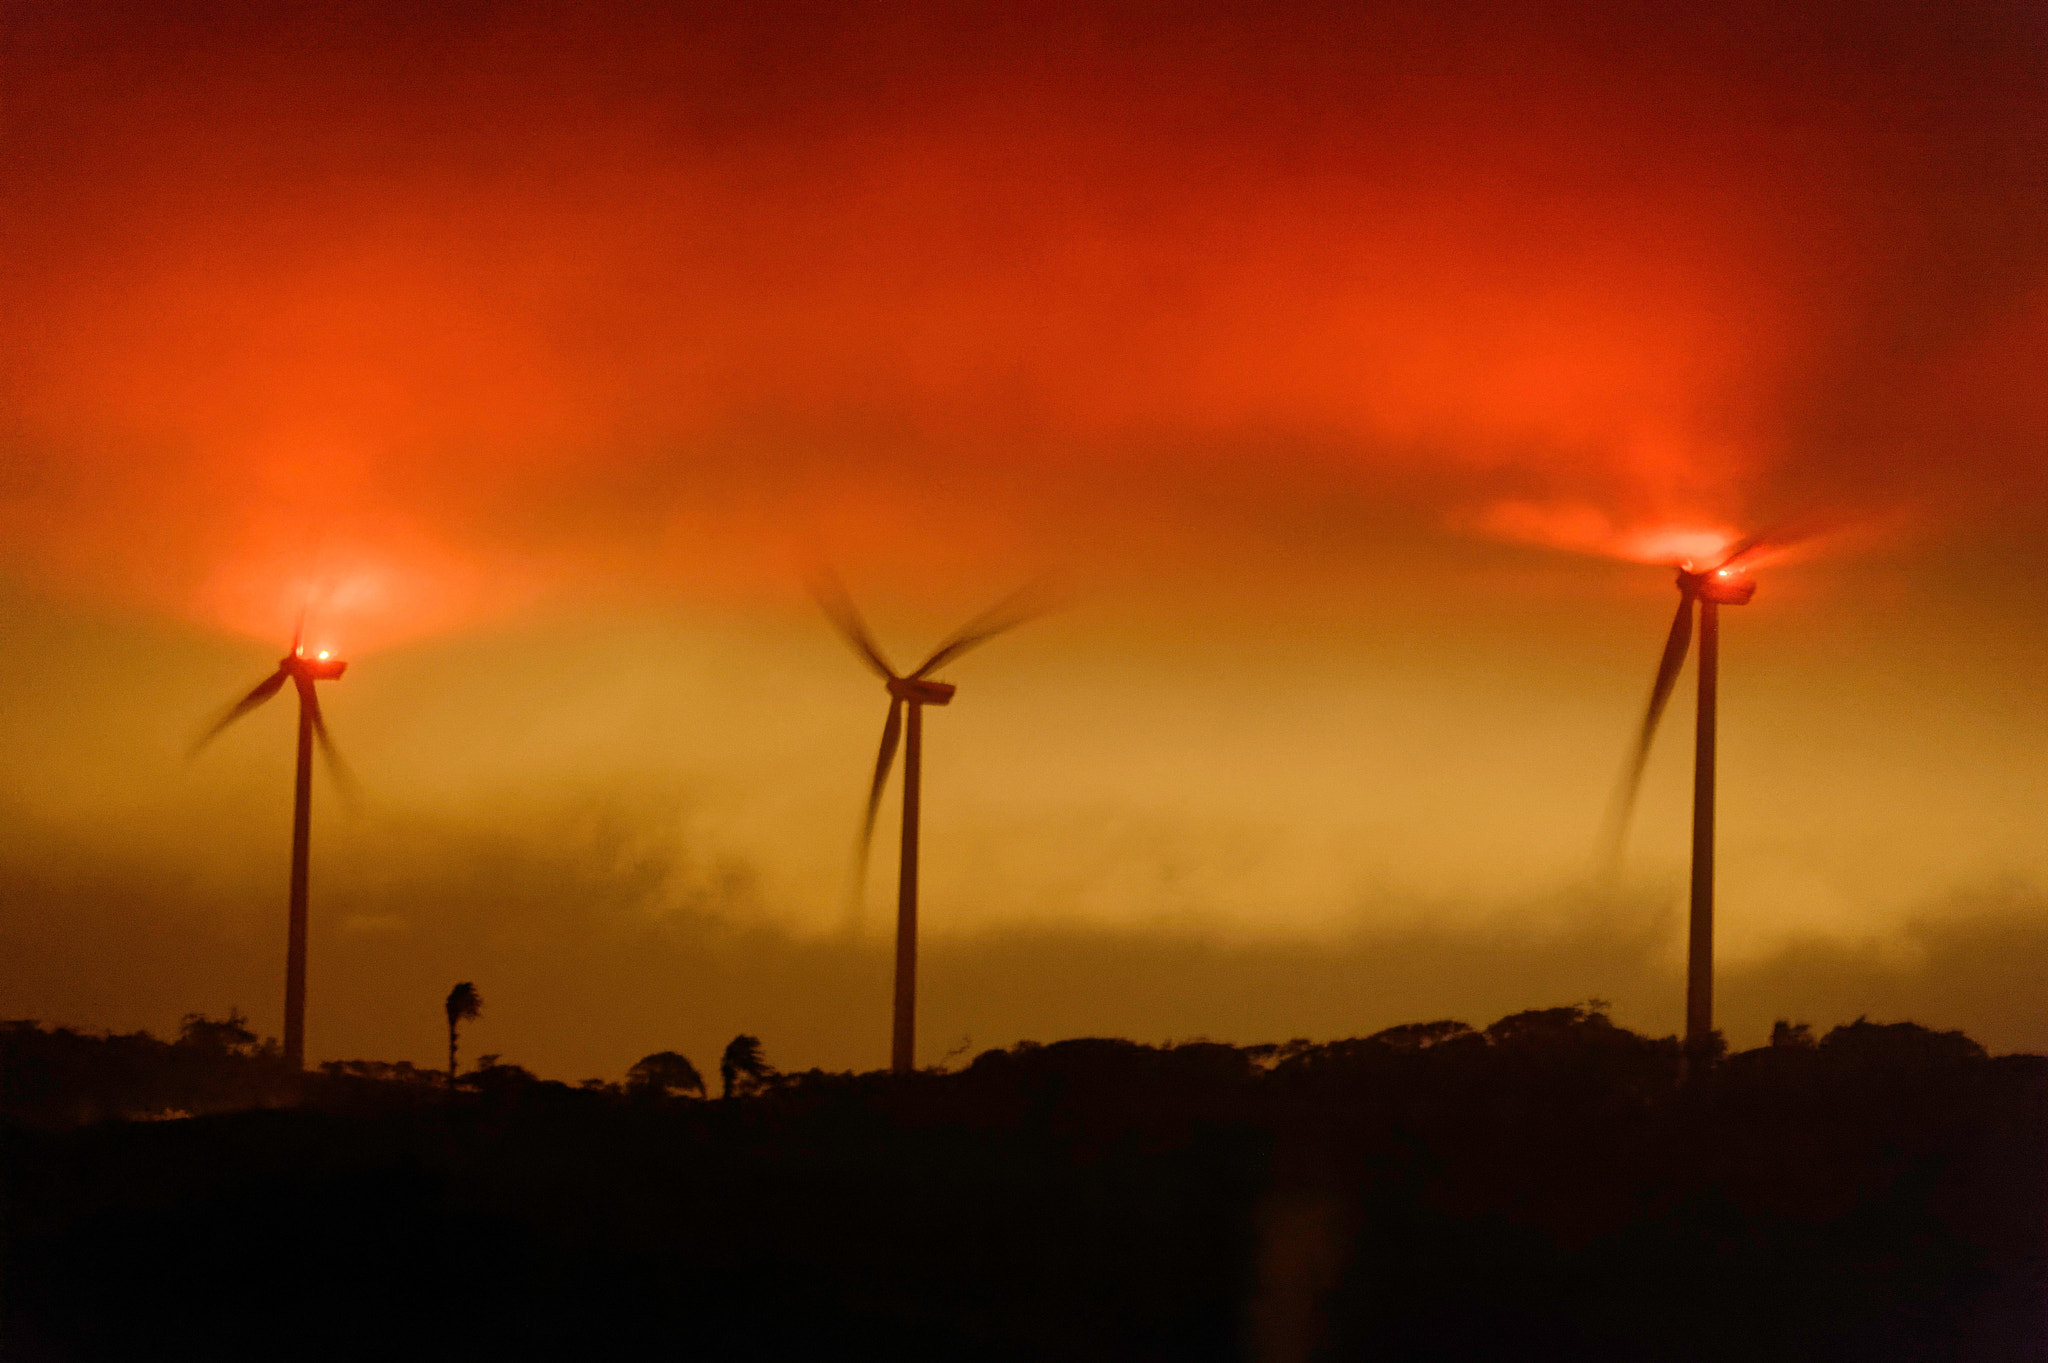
(58, 1077)
(1548, 1188)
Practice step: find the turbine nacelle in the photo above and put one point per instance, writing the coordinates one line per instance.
(322, 666)
(918, 691)
(1722, 586)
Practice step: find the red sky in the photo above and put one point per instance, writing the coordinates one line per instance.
(520, 327)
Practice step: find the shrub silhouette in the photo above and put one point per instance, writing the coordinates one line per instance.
(217, 1036)
(664, 1073)
(1791, 1036)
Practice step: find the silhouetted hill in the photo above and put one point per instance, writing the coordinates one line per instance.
(1545, 1188)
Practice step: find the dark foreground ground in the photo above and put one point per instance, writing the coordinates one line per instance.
(1545, 1189)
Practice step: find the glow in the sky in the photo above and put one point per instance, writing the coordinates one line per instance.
(1347, 357)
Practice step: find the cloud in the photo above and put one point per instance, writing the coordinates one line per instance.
(645, 294)
(601, 946)
(1977, 956)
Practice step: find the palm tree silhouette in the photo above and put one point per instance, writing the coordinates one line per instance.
(742, 1066)
(464, 1005)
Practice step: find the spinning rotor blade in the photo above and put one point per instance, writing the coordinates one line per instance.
(299, 626)
(1019, 607)
(830, 594)
(1742, 550)
(1676, 645)
(892, 733)
(263, 691)
(1783, 535)
(344, 776)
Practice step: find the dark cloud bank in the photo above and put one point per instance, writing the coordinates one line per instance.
(590, 956)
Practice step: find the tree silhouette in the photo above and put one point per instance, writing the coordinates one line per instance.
(666, 1072)
(217, 1036)
(1792, 1035)
(464, 1005)
(741, 1068)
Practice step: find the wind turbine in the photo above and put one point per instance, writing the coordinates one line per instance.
(302, 672)
(910, 693)
(1725, 584)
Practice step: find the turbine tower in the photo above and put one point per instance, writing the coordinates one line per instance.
(909, 693)
(302, 672)
(1725, 584)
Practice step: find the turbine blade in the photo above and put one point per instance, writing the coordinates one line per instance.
(344, 776)
(1025, 604)
(1676, 645)
(830, 594)
(1783, 535)
(892, 733)
(263, 691)
(299, 625)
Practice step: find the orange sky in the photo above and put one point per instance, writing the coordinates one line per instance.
(1285, 333)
